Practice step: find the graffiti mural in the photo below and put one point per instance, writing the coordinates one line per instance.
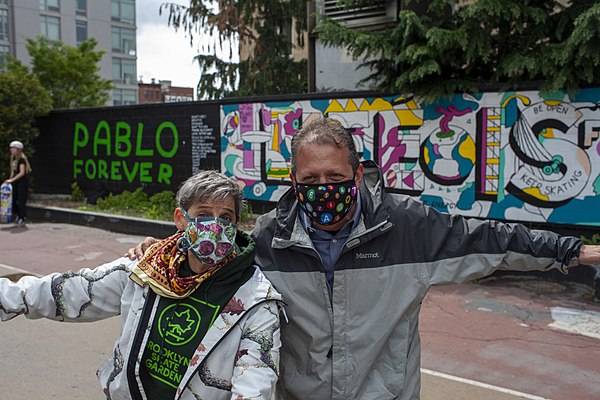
(511, 156)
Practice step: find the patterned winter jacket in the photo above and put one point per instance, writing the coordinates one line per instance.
(363, 341)
(237, 359)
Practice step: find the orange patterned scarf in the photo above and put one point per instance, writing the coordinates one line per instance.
(159, 268)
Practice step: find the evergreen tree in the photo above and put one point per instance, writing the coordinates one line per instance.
(448, 49)
(260, 26)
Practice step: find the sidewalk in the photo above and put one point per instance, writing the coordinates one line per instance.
(503, 339)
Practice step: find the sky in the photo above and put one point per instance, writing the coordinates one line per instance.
(162, 53)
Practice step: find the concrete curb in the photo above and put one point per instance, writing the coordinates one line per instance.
(588, 275)
(109, 222)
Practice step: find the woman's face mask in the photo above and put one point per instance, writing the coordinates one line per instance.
(326, 203)
(210, 239)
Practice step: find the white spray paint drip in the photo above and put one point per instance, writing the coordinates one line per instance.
(582, 322)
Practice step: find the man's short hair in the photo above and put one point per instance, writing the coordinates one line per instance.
(208, 186)
(325, 131)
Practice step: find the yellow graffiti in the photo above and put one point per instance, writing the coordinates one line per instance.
(525, 100)
(552, 103)
(351, 106)
(467, 149)
(535, 192)
(334, 106)
(408, 118)
(548, 133)
(426, 155)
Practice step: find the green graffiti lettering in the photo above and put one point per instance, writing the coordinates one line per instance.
(99, 140)
(130, 174)
(90, 169)
(173, 128)
(138, 143)
(165, 171)
(145, 168)
(78, 141)
(102, 169)
(115, 174)
(122, 137)
(77, 168)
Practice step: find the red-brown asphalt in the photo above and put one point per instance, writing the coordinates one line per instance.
(499, 339)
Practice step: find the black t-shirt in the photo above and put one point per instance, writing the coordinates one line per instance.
(178, 328)
(16, 167)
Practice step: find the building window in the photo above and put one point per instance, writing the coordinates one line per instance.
(123, 11)
(123, 71)
(4, 51)
(123, 40)
(3, 24)
(50, 5)
(122, 97)
(81, 7)
(50, 27)
(81, 31)
(5, 2)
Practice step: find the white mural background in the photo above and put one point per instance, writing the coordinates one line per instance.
(502, 155)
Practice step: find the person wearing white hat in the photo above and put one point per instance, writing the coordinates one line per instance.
(19, 169)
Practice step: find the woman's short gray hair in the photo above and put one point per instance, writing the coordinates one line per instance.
(208, 186)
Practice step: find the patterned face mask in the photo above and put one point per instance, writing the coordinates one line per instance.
(210, 240)
(326, 203)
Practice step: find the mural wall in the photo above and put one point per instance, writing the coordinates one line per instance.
(108, 150)
(514, 156)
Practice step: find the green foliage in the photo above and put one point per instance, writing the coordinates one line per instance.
(246, 213)
(137, 203)
(22, 100)
(436, 48)
(161, 206)
(260, 25)
(593, 240)
(76, 192)
(70, 74)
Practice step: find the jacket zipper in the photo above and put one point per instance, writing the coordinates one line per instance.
(219, 342)
(132, 381)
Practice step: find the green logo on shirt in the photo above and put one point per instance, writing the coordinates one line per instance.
(178, 324)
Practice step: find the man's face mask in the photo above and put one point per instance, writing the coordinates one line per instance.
(210, 239)
(326, 203)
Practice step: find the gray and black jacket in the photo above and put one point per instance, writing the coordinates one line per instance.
(363, 341)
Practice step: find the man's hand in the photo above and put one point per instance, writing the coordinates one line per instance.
(138, 251)
(589, 254)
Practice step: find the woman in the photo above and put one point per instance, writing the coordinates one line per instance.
(199, 319)
(19, 169)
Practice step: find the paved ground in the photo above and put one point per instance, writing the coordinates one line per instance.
(500, 339)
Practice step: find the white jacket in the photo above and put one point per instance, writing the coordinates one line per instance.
(230, 363)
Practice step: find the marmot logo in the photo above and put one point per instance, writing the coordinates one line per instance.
(367, 255)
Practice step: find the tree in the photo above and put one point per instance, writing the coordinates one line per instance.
(70, 74)
(449, 49)
(22, 100)
(259, 26)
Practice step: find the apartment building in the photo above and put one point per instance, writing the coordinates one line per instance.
(163, 92)
(111, 22)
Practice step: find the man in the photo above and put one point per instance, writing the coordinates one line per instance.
(354, 265)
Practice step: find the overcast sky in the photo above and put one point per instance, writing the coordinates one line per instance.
(164, 54)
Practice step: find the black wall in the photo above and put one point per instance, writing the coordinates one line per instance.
(112, 149)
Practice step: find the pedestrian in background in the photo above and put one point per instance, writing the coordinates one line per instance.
(19, 170)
